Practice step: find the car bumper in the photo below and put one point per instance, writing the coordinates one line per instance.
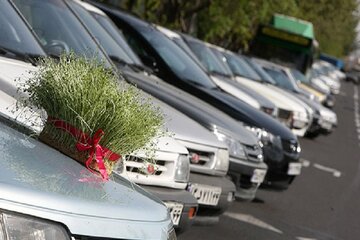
(241, 173)
(278, 176)
(177, 196)
(315, 126)
(330, 101)
(208, 214)
(335, 90)
(300, 127)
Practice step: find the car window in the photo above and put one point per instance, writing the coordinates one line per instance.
(299, 76)
(180, 42)
(56, 25)
(181, 63)
(117, 35)
(105, 40)
(223, 61)
(258, 69)
(207, 57)
(240, 67)
(280, 78)
(15, 37)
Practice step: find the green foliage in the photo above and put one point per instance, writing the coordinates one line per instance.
(232, 24)
(88, 96)
(334, 24)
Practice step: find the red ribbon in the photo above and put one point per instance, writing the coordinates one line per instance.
(85, 143)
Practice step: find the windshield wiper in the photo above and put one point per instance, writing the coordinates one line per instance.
(134, 66)
(220, 73)
(142, 68)
(30, 58)
(193, 82)
(118, 60)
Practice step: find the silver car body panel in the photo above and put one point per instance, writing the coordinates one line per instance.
(40, 181)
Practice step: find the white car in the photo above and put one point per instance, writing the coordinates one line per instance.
(332, 70)
(329, 77)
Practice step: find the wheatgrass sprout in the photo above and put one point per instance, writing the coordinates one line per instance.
(90, 97)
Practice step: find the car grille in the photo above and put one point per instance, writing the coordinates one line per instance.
(253, 152)
(290, 146)
(284, 114)
(136, 164)
(267, 110)
(204, 158)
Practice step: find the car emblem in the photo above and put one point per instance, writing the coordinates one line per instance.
(195, 158)
(150, 169)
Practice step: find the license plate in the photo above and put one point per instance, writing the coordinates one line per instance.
(298, 124)
(294, 169)
(258, 176)
(175, 210)
(206, 195)
(326, 125)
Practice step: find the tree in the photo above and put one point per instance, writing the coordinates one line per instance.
(232, 24)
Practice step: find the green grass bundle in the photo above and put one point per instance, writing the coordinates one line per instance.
(86, 95)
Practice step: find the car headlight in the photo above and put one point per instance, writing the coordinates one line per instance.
(235, 147)
(300, 119)
(302, 116)
(222, 163)
(312, 97)
(16, 226)
(275, 112)
(182, 169)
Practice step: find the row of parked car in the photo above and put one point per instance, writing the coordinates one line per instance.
(235, 121)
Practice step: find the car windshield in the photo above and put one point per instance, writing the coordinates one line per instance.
(240, 67)
(106, 41)
(117, 35)
(58, 28)
(207, 58)
(280, 78)
(182, 64)
(299, 76)
(180, 42)
(223, 61)
(258, 69)
(16, 40)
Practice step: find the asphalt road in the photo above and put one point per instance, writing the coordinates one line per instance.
(322, 203)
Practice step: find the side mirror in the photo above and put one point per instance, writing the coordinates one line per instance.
(150, 62)
(55, 48)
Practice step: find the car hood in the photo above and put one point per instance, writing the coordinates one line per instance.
(330, 81)
(185, 128)
(230, 83)
(276, 97)
(236, 92)
(301, 106)
(205, 114)
(320, 96)
(11, 70)
(252, 116)
(47, 184)
(319, 84)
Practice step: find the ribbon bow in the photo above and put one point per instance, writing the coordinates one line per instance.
(85, 143)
